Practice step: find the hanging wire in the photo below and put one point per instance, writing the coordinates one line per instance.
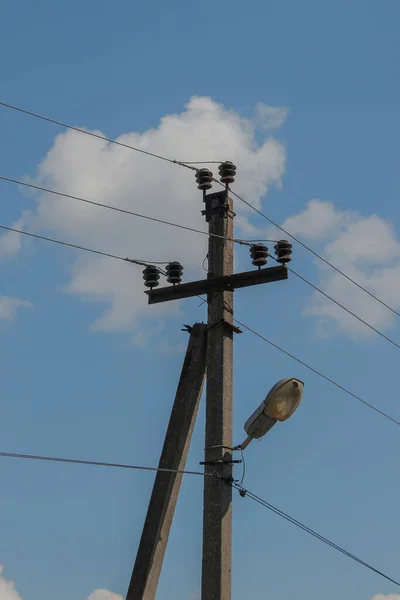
(120, 210)
(319, 373)
(350, 312)
(96, 135)
(309, 249)
(77, 247)
(259, 335)
(307, 366)
(247, 494)
(240, 483)
(97, 463)
(188, 164)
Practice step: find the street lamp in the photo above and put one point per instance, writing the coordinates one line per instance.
(280, 403)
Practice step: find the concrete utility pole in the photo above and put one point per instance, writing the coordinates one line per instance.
(217, 517)
(219, 286)
(153, 543)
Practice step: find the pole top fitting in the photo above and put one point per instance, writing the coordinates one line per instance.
(216, 203)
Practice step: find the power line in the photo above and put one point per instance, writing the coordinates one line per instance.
(350, 312)
(100, 137)
(188, 164)
(238, 322)
(69, 245)
(238, 241)
(344, 308)
(118, 209)
(242, 242)
(245, 493)
(200, 162)
(319, 373)
(102, 464)
(304, 364)
(296, 239)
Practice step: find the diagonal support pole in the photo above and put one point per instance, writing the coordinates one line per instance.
(153, 543)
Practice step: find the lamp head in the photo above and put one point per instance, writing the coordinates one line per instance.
(284, 398)
(280, 403)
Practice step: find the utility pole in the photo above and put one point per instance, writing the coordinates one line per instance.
(219, 287)
(153, 543)
(217, 512)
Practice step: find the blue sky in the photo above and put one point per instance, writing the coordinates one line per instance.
(89, 371)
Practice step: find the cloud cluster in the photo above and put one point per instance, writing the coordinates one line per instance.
(8, 591)
(7, 588)
(10, 243)
(9, 307)
(104, 595)
(94, 169)
(270, 117)
(366, 249)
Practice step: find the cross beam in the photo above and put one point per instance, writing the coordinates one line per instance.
(216, 284)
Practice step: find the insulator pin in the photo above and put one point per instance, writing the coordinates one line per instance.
(174, 273)
(259, 253)
(283, 250)
(151, 275)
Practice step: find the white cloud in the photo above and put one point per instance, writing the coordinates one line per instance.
(388, 597)
(88, 167)
(270, 117)
(9, 307)
(8, 591)
(10, 242)
(7, 588)
(316, 222)
(365, 248)
(103, 595)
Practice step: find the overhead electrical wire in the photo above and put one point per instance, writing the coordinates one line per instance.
(245, 242)
(102, 464)
(304, 364)
(238, 241)
(247, 494)
(319, 373)
(97, 135)
(242, 491)
(189, 164)
(256, 333)
(309, 249)
(154, 219)
(122, 210)
(62, 243)
(350, 312)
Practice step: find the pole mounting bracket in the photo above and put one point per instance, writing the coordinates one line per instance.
(232, 327)
(216, 203)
